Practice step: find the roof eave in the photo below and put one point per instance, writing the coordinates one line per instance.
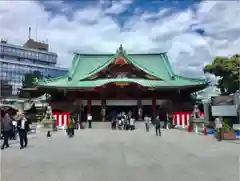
(201, 86)
(112, 54)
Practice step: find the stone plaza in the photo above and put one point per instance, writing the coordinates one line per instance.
(106, 155)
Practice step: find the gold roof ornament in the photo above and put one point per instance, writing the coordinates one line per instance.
(122, 84)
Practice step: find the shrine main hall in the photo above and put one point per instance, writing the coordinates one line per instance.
(108, 83)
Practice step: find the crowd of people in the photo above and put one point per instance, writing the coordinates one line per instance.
(14, 124)
(118, 121)
(123, 121)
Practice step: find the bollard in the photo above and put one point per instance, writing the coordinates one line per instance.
(205, 131)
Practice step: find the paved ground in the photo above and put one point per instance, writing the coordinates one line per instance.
(105, 155)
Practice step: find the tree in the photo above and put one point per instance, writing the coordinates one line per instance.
(228, 72)
(30, 79)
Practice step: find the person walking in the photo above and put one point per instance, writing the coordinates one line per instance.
(23, 128)
(70, 128)
(219, 127)
(7, 127)
(158, 126)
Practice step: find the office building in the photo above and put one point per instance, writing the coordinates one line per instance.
(16, 61)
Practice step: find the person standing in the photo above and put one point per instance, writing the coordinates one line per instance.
(219, 127)
(120, 122)
(146, 120)
(126, 122)
(132, 124)
(158, 126)
(23, 128)
(89, 119)
(7, 127)
(14, 130)
(114, 123)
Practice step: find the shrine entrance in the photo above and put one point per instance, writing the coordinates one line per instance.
(147, 110)
(114, 107)
(113, 111)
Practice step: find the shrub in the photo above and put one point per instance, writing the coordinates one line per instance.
(226, 127)
(191, 122)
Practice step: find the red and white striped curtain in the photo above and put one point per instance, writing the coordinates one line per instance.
(62, 119)
(182, 118)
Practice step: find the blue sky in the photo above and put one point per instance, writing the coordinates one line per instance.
(138, 6)
(192, 32)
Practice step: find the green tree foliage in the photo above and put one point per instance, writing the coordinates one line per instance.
(228, 71)
(31, 78)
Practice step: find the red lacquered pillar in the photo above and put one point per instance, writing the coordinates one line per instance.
(154, 110)
(89, 105)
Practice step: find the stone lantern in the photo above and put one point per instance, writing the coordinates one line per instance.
(140, 112)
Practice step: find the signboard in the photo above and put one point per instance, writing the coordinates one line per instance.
(224, 110)
(121, 84)
(222, 100)
(121, 102)
(236, 127)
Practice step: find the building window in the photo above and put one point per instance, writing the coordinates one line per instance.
(14, 50)
(22, 52)
(35, 55)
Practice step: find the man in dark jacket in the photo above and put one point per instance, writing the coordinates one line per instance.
(23, 128)
(7, 127)
(157, 126)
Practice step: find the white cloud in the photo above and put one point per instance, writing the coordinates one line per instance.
(118, 7)
(92, 29)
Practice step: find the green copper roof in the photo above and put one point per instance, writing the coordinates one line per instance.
(86, 65)
(100, 82)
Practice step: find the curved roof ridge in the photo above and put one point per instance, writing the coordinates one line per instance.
(98, 68)
(74, 66)
(128, 56)
(169, 66)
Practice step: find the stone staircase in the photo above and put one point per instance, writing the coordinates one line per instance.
(107, 125)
